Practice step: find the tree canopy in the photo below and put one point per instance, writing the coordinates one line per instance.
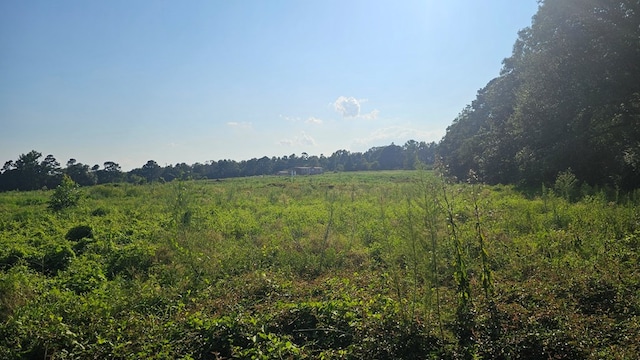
(567, 98)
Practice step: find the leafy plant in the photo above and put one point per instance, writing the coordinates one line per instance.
(566, 185)
(66, 195)
(79, 232)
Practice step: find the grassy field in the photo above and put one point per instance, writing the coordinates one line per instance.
(378, 265)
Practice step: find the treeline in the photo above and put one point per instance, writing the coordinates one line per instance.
(568, 99)
(30, 171)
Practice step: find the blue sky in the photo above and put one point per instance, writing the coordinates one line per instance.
(192, 81)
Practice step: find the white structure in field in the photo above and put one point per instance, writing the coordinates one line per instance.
(302, 170)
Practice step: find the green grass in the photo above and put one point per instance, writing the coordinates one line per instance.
(340, 265)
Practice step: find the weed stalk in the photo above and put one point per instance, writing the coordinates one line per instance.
(430, 221)
(464, 315)
(487, 278)
(394, 272)
(414, 255)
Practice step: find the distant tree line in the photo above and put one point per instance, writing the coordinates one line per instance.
(31, 171)
(568, 99)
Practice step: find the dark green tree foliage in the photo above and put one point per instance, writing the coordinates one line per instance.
(27, 173)
(80, 173)
(49, 172)
(568, 97)
(391, 158)
(481, 138)
(111, 173)
(151, 171)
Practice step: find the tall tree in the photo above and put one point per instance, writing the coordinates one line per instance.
(410, 149)
(569, 96)
(151, 171)
(580, 71)
(80, 173)
(50, 172)
(111, 172)
(391, 157)
(29, 171)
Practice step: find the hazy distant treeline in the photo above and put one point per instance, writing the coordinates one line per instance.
(30, 171)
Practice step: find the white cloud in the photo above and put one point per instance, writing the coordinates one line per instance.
(307, 140)
(314, 120)
(347, 106)
(370, 116)
(289, 118)
(302, 140)
(240, 125)
(310, 120)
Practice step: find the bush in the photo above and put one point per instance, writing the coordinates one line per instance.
(56, 257)
(66, 195)
(566, 185)
(78, 233)
(100, 212)
(81, 236)
(47, 258)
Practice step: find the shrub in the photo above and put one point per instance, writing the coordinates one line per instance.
(79, 232)
(105, 191)
(48, 257)
(81, 236)
(566, 185)
(66, 195)
(56, 257)
(99, 212)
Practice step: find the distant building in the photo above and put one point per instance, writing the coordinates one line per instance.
(307, 170)
(301, 170)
